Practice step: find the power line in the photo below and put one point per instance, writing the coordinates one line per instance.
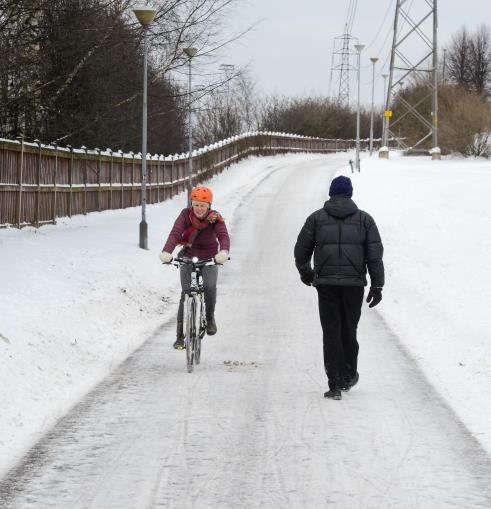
(381, 26)
(352, 18)
(348, 14)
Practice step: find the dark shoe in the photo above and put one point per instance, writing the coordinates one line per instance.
(211, 326)
(333, 394)
(179, 344)
(355, 379)
(351, 382)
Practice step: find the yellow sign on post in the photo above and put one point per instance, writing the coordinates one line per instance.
(387, 113)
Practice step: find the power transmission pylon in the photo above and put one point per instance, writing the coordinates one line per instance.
(415, 39)
(341, 63)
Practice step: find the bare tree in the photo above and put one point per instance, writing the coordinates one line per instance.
(480, 59)
(20, 65)
(247, 97)
(469, 60)
(228, 110)
(459, 57)
(74, 73)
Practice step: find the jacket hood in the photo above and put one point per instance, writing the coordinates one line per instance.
(340, 206)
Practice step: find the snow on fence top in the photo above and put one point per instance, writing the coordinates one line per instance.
(108, 152)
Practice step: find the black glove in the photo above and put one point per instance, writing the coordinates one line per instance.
(307, 279)
(374, 296)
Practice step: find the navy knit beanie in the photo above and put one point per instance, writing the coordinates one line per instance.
(341, 185)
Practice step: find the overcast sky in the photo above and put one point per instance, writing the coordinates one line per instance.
(289, 50)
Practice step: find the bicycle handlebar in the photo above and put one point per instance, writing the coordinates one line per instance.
(189, 261)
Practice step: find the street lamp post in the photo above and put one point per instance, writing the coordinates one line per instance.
(228, 72)
(359, 48)
(374, 61)
(145, 16)
(190, 52)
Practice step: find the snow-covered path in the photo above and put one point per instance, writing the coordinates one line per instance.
(250, 428)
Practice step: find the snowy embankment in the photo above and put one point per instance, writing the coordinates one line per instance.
(435, 221)
(79, 297)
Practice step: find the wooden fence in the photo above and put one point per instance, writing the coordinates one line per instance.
(39, 183)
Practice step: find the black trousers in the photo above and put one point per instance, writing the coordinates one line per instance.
(340, 311)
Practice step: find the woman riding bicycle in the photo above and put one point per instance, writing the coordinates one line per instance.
(202, 233)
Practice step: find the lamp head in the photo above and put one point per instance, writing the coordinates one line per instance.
(145, 15)
(359, 47)
(190, 52)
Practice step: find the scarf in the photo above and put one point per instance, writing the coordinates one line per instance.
(198, 225)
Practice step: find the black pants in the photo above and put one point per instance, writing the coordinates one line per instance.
(340, 310)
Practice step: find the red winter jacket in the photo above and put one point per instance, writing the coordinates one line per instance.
(208, 242)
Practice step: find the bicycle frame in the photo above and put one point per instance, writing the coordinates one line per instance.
(194, 310)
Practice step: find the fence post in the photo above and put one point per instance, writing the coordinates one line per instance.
(151, 196)
(121, 179)
(38, 179)
(70, 182)
(83, 147)
(166, 191)
(172, 190)
(132, 176)
(98, 173)
(55, 173)
(21, 177)
(158, 179)
(111, 181)
(163, 191)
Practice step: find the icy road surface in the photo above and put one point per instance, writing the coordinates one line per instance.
(250, 427)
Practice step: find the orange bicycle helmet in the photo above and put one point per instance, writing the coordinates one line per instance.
(201, 193)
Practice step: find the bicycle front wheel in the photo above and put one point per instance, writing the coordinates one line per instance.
(200, 319)
(191, 332)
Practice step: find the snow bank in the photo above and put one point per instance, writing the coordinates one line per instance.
(435, 221)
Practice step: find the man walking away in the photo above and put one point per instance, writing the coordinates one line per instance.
(345, 243)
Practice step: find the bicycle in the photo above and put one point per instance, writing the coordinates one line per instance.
(194, 310)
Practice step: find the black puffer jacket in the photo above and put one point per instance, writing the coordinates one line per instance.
(345, 242)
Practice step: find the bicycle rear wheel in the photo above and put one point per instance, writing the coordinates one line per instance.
(191, 333)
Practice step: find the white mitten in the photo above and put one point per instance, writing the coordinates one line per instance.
(221, 257)
(165, 257)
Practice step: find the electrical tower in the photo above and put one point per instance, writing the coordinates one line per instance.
(341, 63)
(414, 60)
